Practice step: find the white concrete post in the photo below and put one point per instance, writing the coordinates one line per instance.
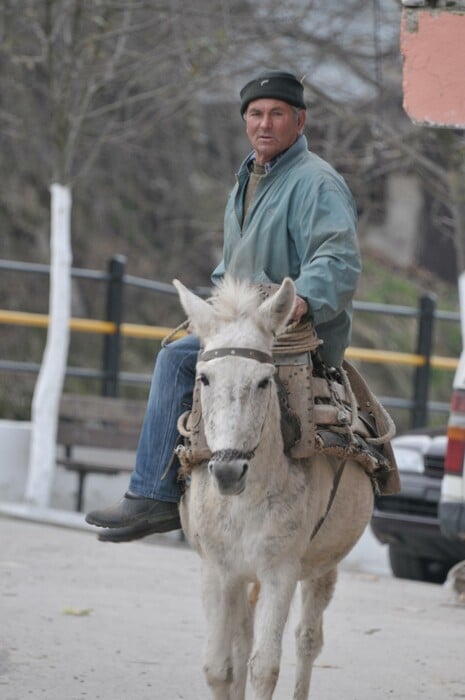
(44, 412)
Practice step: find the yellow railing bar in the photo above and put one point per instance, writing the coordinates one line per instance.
(88, 325)
(83, 325)
(450, 363)
(21, 318)
(134, 330)
(400, 358)
(385, 356)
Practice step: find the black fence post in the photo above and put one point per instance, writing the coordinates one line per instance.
(114, 313)
(422, 378)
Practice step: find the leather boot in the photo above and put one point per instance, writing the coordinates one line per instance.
(130, 533)
(159, 516)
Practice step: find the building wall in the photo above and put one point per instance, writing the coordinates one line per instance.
(433, 49)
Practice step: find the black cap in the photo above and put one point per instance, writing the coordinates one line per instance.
(274, 84)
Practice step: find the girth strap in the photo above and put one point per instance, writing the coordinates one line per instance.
(332, 496)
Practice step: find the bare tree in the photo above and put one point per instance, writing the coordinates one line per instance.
(120, 103)
(97, 70)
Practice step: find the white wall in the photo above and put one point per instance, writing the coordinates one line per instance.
(99, 491)
(14, 456)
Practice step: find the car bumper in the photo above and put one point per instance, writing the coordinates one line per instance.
(420, 537)
(452, 520)
(410, 520)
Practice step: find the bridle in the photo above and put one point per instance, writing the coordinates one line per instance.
(228, 455)
(248, 354)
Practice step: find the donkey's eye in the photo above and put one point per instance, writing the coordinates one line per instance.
(204, 379)
(264, 383)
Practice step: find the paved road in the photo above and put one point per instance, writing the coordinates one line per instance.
(81, 619)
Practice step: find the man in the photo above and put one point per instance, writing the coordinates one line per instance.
(290, 214)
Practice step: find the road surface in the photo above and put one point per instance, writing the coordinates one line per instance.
(80, 619)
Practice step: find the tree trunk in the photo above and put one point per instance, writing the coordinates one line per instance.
(49, 384)
(453, 147)
(457, 191)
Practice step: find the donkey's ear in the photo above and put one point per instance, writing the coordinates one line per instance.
(198, 311)
(277, 309)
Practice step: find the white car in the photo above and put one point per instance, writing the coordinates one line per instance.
(452, 505)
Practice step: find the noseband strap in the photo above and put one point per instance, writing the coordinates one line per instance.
(248, 353)
(229, 455)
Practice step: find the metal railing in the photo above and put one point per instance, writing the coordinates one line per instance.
(113, 329)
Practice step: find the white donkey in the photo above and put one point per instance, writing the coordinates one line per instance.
(250, 513)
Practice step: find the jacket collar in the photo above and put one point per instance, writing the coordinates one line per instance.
(279, 162)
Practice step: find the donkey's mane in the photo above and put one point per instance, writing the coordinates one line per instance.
(234, 299)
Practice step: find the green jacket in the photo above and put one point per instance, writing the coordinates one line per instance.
(302, 224)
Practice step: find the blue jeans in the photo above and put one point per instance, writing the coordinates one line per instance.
(170, 395)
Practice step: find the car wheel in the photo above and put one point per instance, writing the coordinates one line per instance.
(405, 565)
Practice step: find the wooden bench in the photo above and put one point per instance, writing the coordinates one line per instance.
(97, 422)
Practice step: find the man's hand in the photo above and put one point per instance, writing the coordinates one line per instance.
(300, 309)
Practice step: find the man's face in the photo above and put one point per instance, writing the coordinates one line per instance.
(272, 126)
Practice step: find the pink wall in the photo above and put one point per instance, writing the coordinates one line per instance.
(433, 48)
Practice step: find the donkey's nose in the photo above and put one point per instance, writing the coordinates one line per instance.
(229, 476)
(214, 466)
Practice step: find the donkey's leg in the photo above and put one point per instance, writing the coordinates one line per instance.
(276, 593)
(220, 602)
(242, 643)
(316, 595)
